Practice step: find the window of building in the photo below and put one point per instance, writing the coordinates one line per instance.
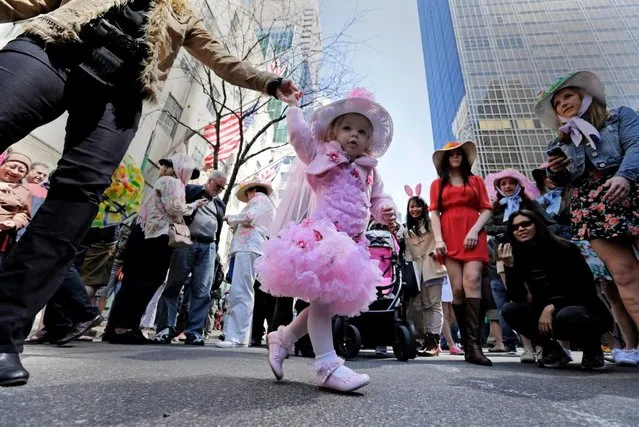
(235, 22)
(275, 108)
(171, 109)
(275, 41)
(280, 134)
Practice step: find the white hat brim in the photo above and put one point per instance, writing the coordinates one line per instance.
(241, 191)
(378, 116)
(583, 79)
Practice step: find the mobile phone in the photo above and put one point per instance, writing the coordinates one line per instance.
(502, 239)
(556, 152)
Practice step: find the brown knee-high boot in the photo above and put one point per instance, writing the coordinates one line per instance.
(472, 345)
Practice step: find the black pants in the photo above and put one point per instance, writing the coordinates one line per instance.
(577, 324)
(69, 305)
(37, 87)
(263, 310)
(146, 262)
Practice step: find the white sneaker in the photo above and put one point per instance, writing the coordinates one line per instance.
(229, 344)
(625, 357)
(527, 357)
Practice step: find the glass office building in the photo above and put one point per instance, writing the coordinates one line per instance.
(443, 70)
(509, 50)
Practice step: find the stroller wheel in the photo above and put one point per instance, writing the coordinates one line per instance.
(350, 342)
(405, 346)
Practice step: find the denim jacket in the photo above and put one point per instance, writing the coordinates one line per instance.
(617, 150)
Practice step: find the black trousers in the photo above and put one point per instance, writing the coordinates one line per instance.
(146, 262)
(577, 324)
(69, 305)
(37, 86)
(263, 310)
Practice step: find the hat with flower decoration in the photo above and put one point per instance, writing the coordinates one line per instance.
(582, 79)
(358, 101)
(467, 147)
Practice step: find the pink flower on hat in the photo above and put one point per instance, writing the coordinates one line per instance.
(333, 156)
(301, 244)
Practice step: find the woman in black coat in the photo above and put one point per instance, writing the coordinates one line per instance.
(552, 292)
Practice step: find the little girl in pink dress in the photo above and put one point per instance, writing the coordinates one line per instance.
(324, 259)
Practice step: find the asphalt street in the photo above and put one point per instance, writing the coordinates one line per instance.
(105, 384)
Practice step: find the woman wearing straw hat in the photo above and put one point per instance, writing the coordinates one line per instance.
(596, 154)
(460, 209)
(250, 226)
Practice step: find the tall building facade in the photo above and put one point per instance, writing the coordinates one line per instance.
(509, 50)
(443, 70)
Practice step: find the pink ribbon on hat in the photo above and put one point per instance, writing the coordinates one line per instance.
(579, 128)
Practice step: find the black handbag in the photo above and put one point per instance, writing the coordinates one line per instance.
(409, 280)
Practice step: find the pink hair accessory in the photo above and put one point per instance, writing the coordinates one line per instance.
(409, 191)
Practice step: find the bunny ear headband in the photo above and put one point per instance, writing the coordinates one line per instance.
(409, 191)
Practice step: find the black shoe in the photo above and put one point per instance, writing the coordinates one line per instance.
(553, 356)
(193, 339)
(80, 329)
(133, 337)
(12, 373)
(593, 359)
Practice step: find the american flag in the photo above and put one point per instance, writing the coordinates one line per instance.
(229, 136)
(267, 175)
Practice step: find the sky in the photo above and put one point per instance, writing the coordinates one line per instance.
(390, 61)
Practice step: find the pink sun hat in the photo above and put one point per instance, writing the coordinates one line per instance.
(359, 101)
(492, 181)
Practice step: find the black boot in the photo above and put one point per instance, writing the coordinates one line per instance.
(12, 373)
(472, 346)
(460, 317)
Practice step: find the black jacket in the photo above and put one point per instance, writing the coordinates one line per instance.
(196, 192)
(569, 280)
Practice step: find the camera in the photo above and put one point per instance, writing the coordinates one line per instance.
(502, 239)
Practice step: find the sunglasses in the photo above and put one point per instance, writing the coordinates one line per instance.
(523, 224)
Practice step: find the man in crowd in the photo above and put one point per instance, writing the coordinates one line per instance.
(198, 260)
(122, 63)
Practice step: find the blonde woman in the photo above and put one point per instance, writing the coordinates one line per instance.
(596, 155)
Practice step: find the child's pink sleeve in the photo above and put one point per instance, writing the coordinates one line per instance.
(379, 199)
(300, 135)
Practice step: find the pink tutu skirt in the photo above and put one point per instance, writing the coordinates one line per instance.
(315, 262)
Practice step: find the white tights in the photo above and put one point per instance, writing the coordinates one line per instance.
(316, 322)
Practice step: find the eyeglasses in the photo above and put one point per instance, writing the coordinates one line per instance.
(523, 224)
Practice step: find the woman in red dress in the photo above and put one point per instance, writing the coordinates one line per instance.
(460, 209)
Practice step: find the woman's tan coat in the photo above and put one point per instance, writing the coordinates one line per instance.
(171, 25)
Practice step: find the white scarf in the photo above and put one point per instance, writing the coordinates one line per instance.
(578, 127)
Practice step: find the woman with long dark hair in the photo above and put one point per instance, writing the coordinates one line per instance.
(460, 209)
(596, 155)
(426, 307)
(563, 304)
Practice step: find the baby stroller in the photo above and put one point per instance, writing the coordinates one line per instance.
(385, 321)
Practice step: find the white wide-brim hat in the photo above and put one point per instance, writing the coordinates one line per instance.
(582, 79)
(245, 186)
(468, 147)
(378, 116)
